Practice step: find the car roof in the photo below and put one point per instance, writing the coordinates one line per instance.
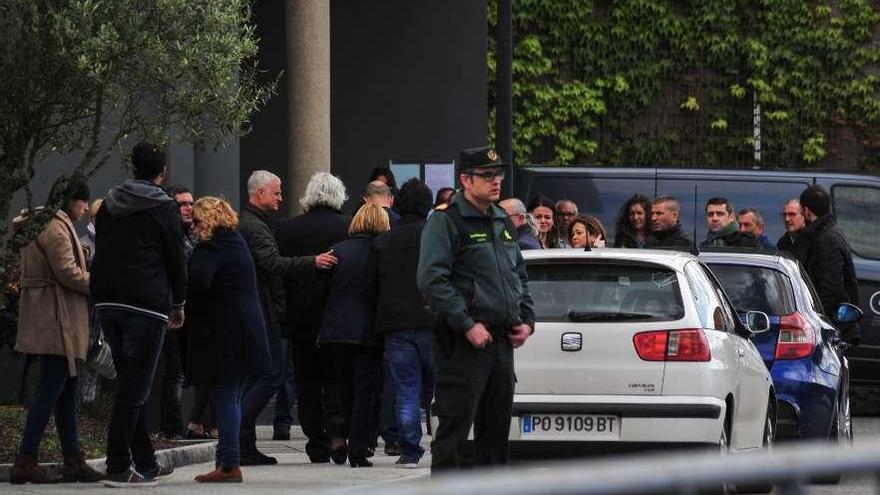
(672, 259)
(767, 260)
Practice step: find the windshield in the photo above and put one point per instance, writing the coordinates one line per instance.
(604, 292)
(755, 288)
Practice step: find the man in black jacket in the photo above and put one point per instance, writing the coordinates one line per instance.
(138, 284)
(827, 257)
(723, 227)
(667, 232)
(273, 269)
(793, 218)
(315, 231)
(405, 319)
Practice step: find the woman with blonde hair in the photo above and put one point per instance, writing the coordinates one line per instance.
(352, 348)
(227, 336)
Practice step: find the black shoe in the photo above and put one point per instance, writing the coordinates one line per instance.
(281, 434)
(360, 462)
(319, 459)
(257, 458)
(392, 449)
(157, 472)
(194, 435)
(369, 452)
(339, 454)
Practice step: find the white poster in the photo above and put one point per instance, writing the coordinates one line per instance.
(439, 175)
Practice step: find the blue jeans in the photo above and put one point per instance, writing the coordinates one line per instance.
(411, 364)
(136, 342)
(227, 404)
(57, 392)
(285, 398)
(261, 390)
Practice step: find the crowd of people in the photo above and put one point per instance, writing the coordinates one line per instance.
(360, 320)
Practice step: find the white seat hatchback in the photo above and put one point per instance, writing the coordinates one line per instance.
(638, 348)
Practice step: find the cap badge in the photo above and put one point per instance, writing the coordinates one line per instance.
(492, 155)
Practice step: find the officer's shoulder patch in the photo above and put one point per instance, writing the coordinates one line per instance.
(441, 207)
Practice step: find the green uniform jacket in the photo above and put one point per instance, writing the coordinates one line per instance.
(477, 275)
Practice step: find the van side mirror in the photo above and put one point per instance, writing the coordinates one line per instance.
(847, 313)
(757, 322)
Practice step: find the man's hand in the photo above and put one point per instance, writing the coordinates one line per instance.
(478, 336)
(176, 318)
(325, 261)
(519, 335)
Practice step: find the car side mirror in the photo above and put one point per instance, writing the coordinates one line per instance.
(847, 313)
(757, 322)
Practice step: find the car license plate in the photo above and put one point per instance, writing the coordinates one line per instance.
(592, 426)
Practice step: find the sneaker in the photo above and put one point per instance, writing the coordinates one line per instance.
(158, 471)
(392, 449)
(129, 479)
(405, 463)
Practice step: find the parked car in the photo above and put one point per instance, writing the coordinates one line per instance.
(801, 349)
(855, 198)
(636, 349)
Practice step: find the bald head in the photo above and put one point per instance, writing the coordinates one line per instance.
(378, 193)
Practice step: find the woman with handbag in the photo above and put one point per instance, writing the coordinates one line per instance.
(53, 324)
(227, 335)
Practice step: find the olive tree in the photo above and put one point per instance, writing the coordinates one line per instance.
(80, 76)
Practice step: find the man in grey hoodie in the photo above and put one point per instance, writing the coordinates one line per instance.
(138, 285)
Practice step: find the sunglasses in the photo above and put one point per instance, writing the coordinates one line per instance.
(487, 176)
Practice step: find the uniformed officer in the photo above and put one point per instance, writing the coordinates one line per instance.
(472, 274)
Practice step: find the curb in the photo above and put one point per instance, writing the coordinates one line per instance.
(174, 458)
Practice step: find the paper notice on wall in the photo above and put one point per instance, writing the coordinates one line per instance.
(439, 175)
(405, 171)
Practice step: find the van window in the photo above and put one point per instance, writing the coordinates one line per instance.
(755, 288)
(855, 208)
(604, 292)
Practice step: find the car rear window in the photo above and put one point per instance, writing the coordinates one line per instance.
(604, 292)
(755, 288)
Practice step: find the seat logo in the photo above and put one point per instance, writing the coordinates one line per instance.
(572, 341)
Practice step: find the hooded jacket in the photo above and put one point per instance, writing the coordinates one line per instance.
(139, 263)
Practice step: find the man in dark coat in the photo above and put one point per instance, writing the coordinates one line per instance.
(750, 220)
(827, 257)
(666, 230)
(723, 227)
(793, 218)
(314, 232)
(525, 235)
(404, 318)
(264, 190)
(138, 285)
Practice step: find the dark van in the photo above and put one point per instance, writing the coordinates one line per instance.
(855, 201)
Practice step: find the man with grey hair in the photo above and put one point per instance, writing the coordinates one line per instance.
(751, 221)
(793, 218)
(315, 231)
(273, 270)
(525, 231)
(566, 211)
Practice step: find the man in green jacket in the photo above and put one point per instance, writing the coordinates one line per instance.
(472, 274)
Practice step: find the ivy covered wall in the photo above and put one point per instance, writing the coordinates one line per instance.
(657, 82)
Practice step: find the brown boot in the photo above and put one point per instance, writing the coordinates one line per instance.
(221, 475)
(27, 470)
(76, 469)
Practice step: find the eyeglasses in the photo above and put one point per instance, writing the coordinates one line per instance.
(788, 214)
(487, 176)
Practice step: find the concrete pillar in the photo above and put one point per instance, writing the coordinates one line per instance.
(308, 87)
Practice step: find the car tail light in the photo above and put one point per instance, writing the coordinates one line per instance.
(687, 344)
(797, 339)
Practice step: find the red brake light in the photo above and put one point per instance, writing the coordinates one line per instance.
(797, 339)
(687, 344)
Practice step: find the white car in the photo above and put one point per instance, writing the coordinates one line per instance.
(638, 348)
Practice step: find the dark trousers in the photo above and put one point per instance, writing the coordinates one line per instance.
(171, 395)
(285, 398)
(261, 390)
(410, 357)
(136, 341)
(474, 387)
(202, 412)
(367, 401)
(339, 389)
(56, 394)
(227, 402)
(309, 375)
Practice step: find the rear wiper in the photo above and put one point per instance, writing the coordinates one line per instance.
(584, 316)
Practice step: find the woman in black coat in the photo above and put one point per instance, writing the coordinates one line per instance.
(352, 404)
(633, 226)
(227, 335)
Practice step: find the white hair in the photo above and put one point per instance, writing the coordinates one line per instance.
(520, 209)
(260, 179)
(324, 189)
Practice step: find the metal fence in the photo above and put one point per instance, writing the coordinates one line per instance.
(790, 467)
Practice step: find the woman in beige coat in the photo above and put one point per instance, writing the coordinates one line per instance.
(53, 324)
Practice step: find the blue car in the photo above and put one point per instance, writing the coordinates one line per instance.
(802, 349)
